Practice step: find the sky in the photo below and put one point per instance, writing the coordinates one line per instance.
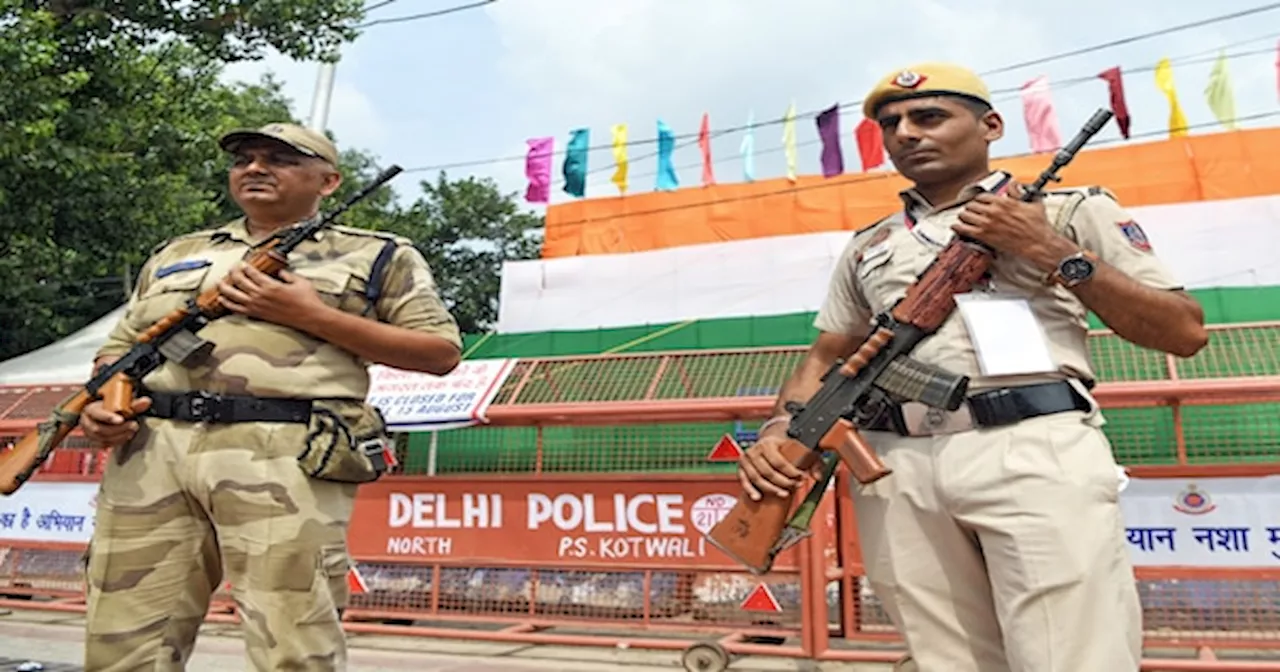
(473, 86)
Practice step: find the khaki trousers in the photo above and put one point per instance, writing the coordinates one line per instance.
(1003, 550)
(184, 507)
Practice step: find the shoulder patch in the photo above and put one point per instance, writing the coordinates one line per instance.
(1135, 235)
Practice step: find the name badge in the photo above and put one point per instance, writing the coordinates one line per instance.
(184, 265)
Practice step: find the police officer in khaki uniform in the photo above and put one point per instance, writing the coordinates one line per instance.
(243, 467)
(996, 544)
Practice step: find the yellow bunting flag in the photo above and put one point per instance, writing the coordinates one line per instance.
(1219, 95)
(620, 156)
(1164, 80)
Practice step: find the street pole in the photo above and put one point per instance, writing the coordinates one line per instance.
(320, 101)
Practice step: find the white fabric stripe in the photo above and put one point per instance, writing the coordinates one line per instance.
(1206, 243)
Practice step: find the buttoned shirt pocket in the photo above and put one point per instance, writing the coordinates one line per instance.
(874, 273)
(169, 289)
(340, 286)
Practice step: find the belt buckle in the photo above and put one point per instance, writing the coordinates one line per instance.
(921, 419)
(207, 406)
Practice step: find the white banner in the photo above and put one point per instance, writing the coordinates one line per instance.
(412, 401)
(41, 511)
(1203, 522)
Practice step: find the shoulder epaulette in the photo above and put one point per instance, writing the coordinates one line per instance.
(183, 236)
(371, 233)
(1086, 191)
(878, 223)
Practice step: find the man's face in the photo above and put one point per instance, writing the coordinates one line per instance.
(936, 138)
(271, 175)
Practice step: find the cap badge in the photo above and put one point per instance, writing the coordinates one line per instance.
(908, 79)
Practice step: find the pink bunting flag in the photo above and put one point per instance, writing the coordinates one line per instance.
(1042, 121)
(537, 168)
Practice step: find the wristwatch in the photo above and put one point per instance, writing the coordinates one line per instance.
(1074, 269)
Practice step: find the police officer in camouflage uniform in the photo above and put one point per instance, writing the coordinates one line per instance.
(243, 467)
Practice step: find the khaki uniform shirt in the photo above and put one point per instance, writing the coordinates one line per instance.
(260, 358)
(879, 263)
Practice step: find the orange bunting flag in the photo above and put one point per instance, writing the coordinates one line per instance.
(704, 143)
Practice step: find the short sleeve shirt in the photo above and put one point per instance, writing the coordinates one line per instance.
(260, 358)
(879, 263)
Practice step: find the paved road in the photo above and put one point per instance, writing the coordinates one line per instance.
(57, 640)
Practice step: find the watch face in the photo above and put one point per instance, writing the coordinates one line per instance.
(1076, 269)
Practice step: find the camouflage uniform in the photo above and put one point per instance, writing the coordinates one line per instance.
(187, 505)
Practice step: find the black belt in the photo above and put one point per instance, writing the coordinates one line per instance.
(201, 406)
(1004, 406)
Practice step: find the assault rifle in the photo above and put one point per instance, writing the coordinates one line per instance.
(172, 338)
(858, 392)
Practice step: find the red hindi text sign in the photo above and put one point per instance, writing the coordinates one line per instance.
(530, 522)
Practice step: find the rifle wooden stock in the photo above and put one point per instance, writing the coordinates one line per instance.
(16, 462)
(750, 531)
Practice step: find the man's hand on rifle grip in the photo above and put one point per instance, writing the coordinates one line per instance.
(763, 468)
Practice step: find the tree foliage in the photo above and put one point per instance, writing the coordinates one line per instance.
(109, 116)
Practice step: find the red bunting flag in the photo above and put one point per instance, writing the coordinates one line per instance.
(1115, 84)
(870, 144)
(704, 142)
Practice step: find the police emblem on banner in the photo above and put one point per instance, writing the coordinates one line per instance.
(1193, 501)
(1135, 235)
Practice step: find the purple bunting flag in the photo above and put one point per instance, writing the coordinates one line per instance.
(829, 131)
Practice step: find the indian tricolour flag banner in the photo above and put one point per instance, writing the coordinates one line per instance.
(746, 265)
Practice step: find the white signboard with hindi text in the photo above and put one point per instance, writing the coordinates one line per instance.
(412, 401)
(44, 512)
(1204, 522)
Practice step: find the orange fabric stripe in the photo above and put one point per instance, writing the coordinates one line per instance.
(1234, 164)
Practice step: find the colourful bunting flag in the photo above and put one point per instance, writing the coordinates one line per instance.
(789, 139)
(748, 147)
(1041, 120)
(575, 163)
(620, 156)
(704, 143)
(829, 130)
(1218, 93)
(870, 143)
(537, 168)
(1164, 80)
(1119, 108)
(666, 170)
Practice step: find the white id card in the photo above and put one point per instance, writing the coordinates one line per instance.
(1005, 334)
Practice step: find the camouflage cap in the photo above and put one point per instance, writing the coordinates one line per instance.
(303, 139)
(925, 79)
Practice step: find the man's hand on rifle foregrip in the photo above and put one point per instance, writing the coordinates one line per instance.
(107, 428)
(290, 301)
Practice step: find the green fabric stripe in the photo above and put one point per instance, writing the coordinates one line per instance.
(1222, 306)
(1214, 434)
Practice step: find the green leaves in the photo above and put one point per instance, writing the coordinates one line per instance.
(109, 118)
